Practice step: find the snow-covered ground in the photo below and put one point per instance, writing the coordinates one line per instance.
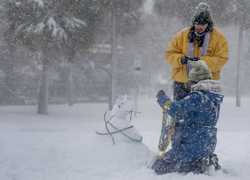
(64, 145)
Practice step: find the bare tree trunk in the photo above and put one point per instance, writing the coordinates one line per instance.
(110, 97)
(44, 90)
(9, 69)
(9, 72)
(239, 48)
(70, 84)
(113, 55)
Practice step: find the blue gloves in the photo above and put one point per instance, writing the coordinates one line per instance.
(163, 100)
(185, 59)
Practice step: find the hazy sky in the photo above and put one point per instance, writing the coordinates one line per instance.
(148, 6)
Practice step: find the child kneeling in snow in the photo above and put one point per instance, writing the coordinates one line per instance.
(195, 117)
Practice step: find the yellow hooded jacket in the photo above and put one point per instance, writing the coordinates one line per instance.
(216, 57)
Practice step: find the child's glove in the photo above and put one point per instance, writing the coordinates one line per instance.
(163, 100)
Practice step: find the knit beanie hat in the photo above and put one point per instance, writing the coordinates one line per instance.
(202, 15)
(199, 71)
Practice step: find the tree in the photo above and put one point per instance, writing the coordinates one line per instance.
(242, 19)
(124, 17)
(48, 27)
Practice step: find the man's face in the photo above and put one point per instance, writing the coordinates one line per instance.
(200, 28)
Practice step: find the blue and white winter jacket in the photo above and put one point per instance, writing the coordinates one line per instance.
(196, 117)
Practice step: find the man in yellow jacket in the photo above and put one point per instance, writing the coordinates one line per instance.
(200, 42)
